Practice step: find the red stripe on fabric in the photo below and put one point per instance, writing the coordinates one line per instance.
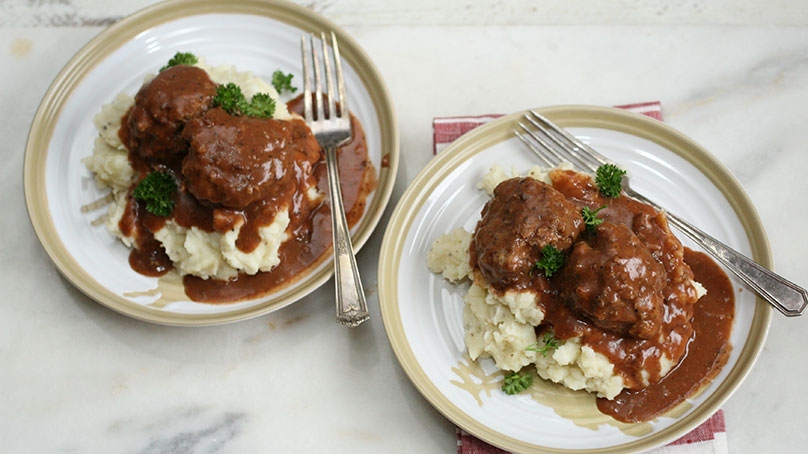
(706, 431)
(651, 109)
(469, 444)
(446, 130)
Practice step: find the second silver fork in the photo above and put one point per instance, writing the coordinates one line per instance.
(554, 145)
(331, 125)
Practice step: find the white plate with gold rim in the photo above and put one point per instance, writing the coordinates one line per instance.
(256, 36)
(422, 312)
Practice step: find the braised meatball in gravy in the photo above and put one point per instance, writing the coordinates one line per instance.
(162, 108)
(234, 161)
(613, 280)
(523, 216)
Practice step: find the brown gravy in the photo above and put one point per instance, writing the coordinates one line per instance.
(303, 163)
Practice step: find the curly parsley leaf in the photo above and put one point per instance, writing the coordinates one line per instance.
(181, 58)
(609, 179)
(549, 344)
(230, 98)
(156, 190)
(515, 382)
(591, 219)
(261, 105)
(283, 82)
(551, 260)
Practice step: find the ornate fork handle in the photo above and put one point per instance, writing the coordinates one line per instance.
(788, 297)
(332, 127)
(352, 308)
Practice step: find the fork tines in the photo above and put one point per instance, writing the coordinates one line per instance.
(325, 106)
(554, 145)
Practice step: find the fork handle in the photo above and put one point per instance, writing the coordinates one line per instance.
(352, 308)
(788, 297)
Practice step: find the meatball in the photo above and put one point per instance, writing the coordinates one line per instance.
(233, 161)
(612, 280)
(523, 216)
(163, 107)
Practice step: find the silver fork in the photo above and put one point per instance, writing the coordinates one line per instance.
(554, 145)
(332, 128)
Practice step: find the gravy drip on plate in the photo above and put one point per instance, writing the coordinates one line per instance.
(231, 171)
(625, 288)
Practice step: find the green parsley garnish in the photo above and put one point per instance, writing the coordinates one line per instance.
(261, 105)
(590, 218)
(230, 98)
(551, 260)
(156, 190)
(283, 82)
(181, 58)
(609, 179)
(515, 382)
(550, 343)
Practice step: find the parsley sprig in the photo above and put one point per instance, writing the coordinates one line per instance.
(551, 260)
(549, 344)
(181, 58)
(156, 190)
(591, 219)
(514, 382)
(230, 98)
(261, 105)
(283, 82)
(609, 179)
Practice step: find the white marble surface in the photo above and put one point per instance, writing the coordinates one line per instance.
(76, 377)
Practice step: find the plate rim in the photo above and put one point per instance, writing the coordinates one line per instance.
(482, 137)
(104, 44)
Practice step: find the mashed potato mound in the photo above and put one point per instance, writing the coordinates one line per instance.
(193, 251)
(577, 367)
(502, 326)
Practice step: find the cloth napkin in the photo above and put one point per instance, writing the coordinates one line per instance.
(711, 436)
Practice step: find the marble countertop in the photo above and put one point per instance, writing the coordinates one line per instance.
(76, 377)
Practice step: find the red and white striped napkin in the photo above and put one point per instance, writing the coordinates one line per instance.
(711, 436)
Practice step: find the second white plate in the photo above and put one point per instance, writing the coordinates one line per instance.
(423, 313)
